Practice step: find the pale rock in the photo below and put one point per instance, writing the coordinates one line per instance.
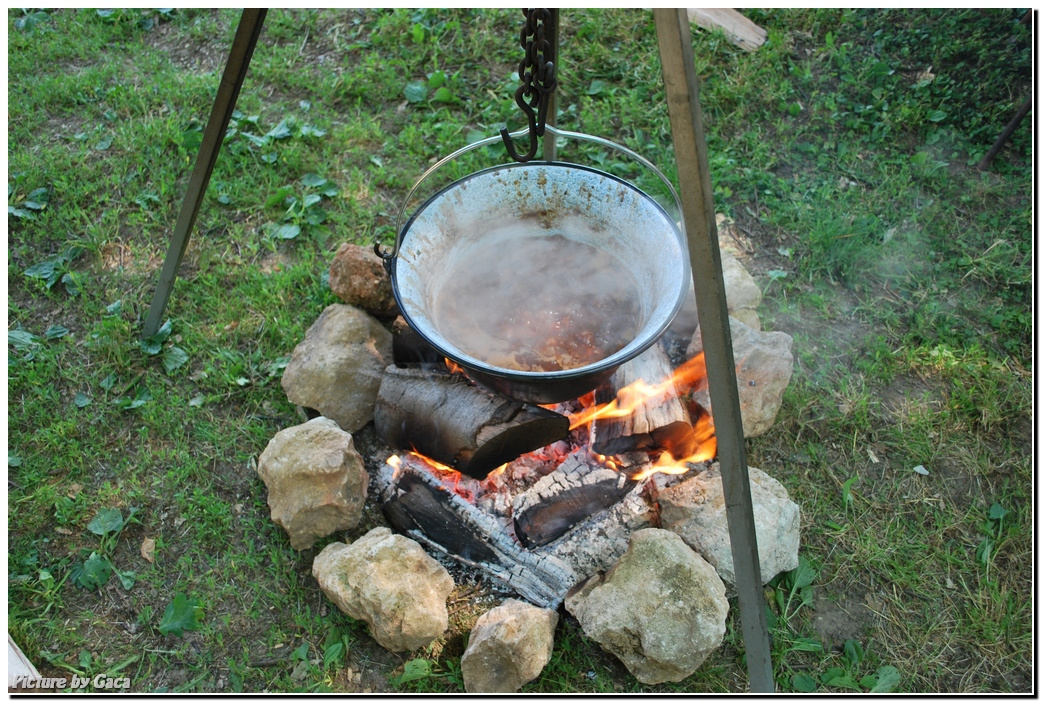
(743, 297)
(357, 277)
(389, 582)
(338, 366)
(764, 363)
(742, 292)
(696, 511)
(509, 646)
(316, 481)
(749, 317)
(661, 609)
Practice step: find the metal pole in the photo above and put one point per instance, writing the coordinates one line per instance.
(549, 141)
(688, 134)
(227, 93)
(984, 164)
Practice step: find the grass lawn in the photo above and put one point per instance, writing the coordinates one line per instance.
(845, 151)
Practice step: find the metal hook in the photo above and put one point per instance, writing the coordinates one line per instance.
(387, 257)
(533, 143)
(536, 121)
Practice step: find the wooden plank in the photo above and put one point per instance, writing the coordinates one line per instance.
(18, 664)
(740, 30)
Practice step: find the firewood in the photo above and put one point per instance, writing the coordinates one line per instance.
(597, 542)
(578, 488)
(738, 29)
(418, 505)
(444, 417)
(657, 422)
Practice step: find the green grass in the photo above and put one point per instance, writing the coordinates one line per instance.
(844, 149)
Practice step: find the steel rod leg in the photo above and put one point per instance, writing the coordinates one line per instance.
(985, 162)
(549, 141)
(227, 93)
(688, 134)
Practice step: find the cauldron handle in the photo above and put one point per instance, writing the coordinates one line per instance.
(389, 256)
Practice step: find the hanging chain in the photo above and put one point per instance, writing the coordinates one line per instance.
(538, 81)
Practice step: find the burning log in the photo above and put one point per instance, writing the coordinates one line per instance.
(580, 487)
(416, 504)
(647, 414)
(444, 417)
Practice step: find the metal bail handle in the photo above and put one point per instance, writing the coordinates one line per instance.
(388, 257)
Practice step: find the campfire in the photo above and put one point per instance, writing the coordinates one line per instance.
(511, 488)
(548, 500)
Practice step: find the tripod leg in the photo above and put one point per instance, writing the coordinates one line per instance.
(227, 93)
(549, 142)
(984, 164)
(688, 135)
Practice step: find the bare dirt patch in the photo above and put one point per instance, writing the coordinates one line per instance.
(190, 54)
(837, 621)
(117, 256)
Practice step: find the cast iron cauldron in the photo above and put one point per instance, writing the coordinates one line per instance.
(623, 221)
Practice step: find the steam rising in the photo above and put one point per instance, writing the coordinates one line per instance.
(532, 299)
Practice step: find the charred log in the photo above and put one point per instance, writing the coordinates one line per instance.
(597, 542)
(579, 488)
(655, 423)
(417, 504)
(446, 418)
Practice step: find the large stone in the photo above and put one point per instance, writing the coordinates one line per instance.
(764, 364)
(316, 481)
(338, 366)
(509, 646)
(695, 510)
(742, 292)
(743, 297)
(661, 609)
(389, 582)
(357, 277)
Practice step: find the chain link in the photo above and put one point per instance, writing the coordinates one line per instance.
(538, 78)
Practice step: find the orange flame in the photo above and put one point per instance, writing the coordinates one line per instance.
(432, 463)
(632, 396)
(704, 435)
(687, 376)
(394, 461)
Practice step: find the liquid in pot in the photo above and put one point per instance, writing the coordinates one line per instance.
(538, 303)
